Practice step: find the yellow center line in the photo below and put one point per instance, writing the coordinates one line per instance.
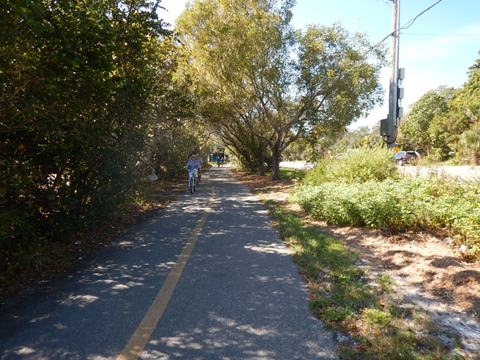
(140, 337)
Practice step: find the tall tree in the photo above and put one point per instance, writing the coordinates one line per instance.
(263, 78)
(414, 130)
(463, 114)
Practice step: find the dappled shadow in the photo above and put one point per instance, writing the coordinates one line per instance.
(466, 276)
(390, 258)
(242, 293)
(445, 262)
(229, 338)
(444, 287)
(418, 277)
(239, 297)
(398, 259)
(90, 313)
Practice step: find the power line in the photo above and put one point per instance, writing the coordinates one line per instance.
(439, 34)
(409, 22)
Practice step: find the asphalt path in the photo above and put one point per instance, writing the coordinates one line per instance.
(208, 278)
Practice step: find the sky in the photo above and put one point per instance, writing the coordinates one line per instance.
(436, 50)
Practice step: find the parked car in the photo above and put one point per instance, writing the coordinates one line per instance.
(406, 157)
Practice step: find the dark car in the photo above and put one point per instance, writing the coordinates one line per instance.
(406, 157)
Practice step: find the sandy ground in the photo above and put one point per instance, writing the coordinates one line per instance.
(427, 273)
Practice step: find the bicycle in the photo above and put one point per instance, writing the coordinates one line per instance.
(192, 180)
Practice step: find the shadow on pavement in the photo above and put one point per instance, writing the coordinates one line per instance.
(240, 296)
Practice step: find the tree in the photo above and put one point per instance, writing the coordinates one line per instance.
(75, 79)
(414, 130)
(463, 113)
(259, 77)
(171, 130)
(475, 66)
(468, 147)
(363, 137)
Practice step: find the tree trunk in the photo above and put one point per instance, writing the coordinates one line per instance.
(261, 165)
(276, 163)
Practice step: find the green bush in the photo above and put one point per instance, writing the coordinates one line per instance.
(432, 203)
(358, 165)
(469, 145)
(75, 101)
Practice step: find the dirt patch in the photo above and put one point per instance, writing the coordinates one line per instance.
(421, 261)
(426, 271)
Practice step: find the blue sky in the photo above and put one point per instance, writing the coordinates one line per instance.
(436, 50)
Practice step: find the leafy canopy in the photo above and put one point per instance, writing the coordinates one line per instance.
(263, 85)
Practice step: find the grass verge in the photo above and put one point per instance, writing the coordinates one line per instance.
(369, 325)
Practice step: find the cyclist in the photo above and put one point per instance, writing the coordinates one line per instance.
(192, 170)
(197, 160)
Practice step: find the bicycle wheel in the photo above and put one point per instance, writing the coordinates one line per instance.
(191, 186)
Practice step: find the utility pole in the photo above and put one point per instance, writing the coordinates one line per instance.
(389, 126)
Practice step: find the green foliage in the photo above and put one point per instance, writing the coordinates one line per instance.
(342, 298)
(171, 131)
(323, 257)
(414, 128)
(444, 122)
(386, 282)
(404, 203)
(78, 84)
(263, 86)
(293, 174)
(463, 111)
(377, 317)
(363, 137)
(357, 165)
(469, 145)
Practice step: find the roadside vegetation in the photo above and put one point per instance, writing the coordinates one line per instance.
(445, 123)
(89, 110)
(364, 189)
(31, 263)
(359, 306)
(368, 324)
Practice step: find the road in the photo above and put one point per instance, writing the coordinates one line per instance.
(208, 278)
(466, 173)
(297, 164)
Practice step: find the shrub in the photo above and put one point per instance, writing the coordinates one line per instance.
(469, 145)
(358, 165)
(432, 203)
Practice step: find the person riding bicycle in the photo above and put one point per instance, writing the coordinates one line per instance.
(194, 164)
(197, 160)
(191, 164)
(192, 172)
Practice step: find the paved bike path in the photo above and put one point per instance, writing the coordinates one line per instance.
(239, 296)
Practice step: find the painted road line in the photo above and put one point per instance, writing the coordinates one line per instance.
(140, 337)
